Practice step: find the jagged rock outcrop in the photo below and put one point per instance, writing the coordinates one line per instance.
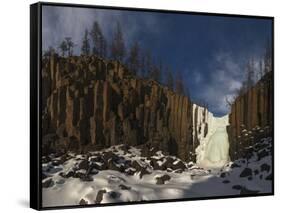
(251, 116)
(90, 103)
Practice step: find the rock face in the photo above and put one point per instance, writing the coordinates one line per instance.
(251, 116)
(89, 104)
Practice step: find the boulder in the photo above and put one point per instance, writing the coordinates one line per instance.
(245, 191)
(46, 183)
(237, 187)
(162, 179)
(124, 187)
(99, 196)
(265, 167)
(246, 172)
(84, 164)
(83, 202)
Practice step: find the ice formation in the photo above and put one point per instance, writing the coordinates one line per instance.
(213, 149)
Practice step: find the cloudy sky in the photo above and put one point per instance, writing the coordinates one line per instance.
(210, 51)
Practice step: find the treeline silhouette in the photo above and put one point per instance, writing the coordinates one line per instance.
(254, 70)
(139, 61)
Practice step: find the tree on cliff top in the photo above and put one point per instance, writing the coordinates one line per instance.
(169, 79)
(250, 71)
(70, 45)
(50, 51)
(155, 72)
(63, 48)
(118, 49)
(134, 58)
(268, 58)
(179, 84)
(99, 41)
(85, 48)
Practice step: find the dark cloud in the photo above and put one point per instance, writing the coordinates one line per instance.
(210, 51)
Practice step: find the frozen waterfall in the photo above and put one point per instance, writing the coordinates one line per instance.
(213, 149)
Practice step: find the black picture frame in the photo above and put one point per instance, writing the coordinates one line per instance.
(36, 103)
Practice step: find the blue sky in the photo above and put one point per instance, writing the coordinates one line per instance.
(210, 51)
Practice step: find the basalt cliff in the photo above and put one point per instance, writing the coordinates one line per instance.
(251, 116)
(89, 103)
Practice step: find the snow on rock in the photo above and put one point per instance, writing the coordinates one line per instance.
(210, 131)
(249, 175)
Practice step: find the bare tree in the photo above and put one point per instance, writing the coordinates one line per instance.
(63, 48)
(155, 71)
(70, 45)
(134, 58)
(118, 50)
(147, 64)
(142, 64)
(169, 79)
(268, 58)
(179, 84)
(50, 51)
(99, 41)
(85, 48)
(250, 73)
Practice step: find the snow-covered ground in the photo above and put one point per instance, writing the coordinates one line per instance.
(123, 174)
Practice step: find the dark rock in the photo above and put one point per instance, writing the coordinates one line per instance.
(110, 156)
(124, 187)
(56, 163)
(79, 174)
(155, 165)
(130, 171)
(256, 172)
(226, 181)
(114, 195)
(169, 163)
(178, 165)
(245, 191)
(265, 167)
(143, 172)
(262, 154)
(99, 196)
(250, 178)
(47, 183)
(162, 179)
(136, 165)
(100, 166)
(84, 164)
(44, 176)
(246, 172)
(83, 202)
(60, 181)
(97, 159)
(269, 177)
(237, 187)
(125, 148)
(87, 178)
(69, 174)
(179, 171)
(234, 165)
(223, 174)
(115, 167)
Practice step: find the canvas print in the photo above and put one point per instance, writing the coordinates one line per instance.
(142, 105)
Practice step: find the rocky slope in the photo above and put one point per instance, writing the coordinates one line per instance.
(90, 104)
(125, 174)
(251, 116)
